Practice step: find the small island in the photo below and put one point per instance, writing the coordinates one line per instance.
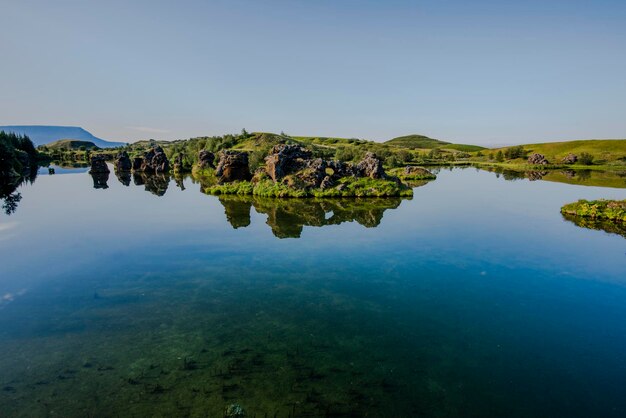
(285, 170)
(292, 171)
(612, 210)
(604, 215)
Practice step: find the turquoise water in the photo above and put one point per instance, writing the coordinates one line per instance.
(475, 298)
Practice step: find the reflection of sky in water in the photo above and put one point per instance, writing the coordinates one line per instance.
(476, 282)
(62, 169)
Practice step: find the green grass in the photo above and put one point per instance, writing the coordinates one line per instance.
(603, 150)
(462, 147)
(346, 187)
(613, 210)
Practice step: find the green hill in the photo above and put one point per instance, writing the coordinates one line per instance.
(603, 150)
(71, 144)
(415, 142)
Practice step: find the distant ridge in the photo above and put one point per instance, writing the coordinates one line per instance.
(416, 141)
(44, 134)
(424, 142)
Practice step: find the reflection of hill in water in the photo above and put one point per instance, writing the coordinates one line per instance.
(287, 217)
(611, 227)
(596, 178)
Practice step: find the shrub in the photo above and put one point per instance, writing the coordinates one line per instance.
(585, 158)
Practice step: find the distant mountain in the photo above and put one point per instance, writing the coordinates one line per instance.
(42, 135)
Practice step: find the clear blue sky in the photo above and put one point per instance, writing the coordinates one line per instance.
(484, 72)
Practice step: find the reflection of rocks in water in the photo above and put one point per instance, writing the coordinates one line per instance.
(138, 179)
(124, 177)
(100, 180)
(611, 227)
(237, 209)
(535, 175)
(507, 174)
(180, 182)
(287, 217)
(154, 183)
(570, 174)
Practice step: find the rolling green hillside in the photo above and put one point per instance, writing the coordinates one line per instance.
(603, 150)
(71, 144)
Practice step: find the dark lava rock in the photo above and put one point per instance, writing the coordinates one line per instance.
(154, 161)
(122, 162)
(313, 173)
(286, 159)
(233, 166)
(341, 169)
(570, 159)
(371, 166)
(537, 159)
(416, 171)
(99, 165)
(327, 183)
(206, 159)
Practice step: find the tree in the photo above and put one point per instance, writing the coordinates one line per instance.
(499, 156)
(515, 152)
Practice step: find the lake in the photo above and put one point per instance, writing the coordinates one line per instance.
(475, 298)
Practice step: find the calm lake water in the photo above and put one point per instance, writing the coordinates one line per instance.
(475, 298)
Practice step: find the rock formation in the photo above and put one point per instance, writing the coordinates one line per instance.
(233, 166)
(569, 159)
(537, 159)
(286, 159)
(99, 165)
(371, 166)
(122, 162)
(342, 169)
(206, 159)
(410, 170)
(153, 161)
(296, 160)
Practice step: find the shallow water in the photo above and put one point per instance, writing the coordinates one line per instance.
(475, 298)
